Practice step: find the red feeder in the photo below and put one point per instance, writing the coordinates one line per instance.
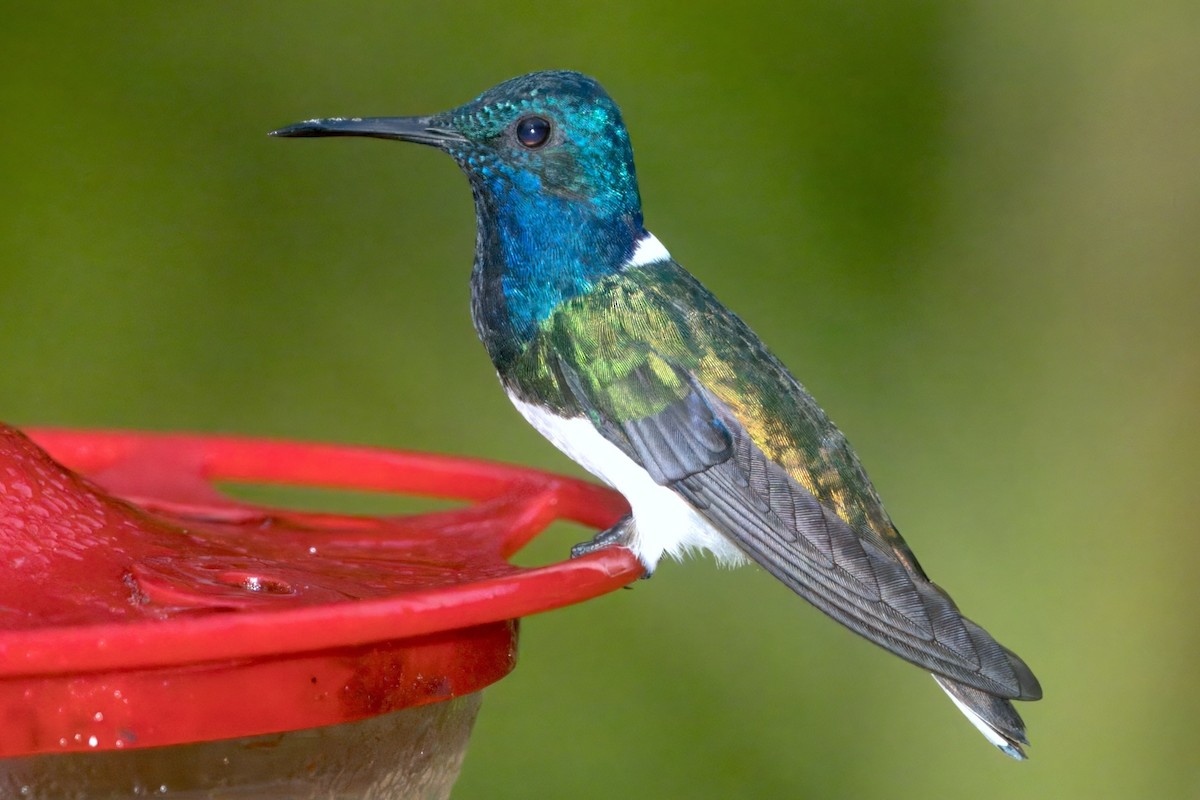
(141, 608)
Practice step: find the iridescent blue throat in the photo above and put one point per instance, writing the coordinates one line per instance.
(537, 249)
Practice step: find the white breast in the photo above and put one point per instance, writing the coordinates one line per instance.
(665, 522)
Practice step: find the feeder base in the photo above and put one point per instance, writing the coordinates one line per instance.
(413, 753)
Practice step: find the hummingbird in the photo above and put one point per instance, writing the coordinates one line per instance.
(631, 367)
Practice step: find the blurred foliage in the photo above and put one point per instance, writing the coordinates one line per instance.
(971, 229)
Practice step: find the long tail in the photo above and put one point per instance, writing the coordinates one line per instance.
(994, 716)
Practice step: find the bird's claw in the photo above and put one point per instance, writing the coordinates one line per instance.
(619, 535)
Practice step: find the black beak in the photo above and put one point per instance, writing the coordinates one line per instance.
(423, 130)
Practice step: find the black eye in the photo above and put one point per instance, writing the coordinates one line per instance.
(533, 131)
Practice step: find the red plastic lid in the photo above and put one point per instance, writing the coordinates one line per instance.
(140, 607)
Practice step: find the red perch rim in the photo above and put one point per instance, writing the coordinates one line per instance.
(141, 607)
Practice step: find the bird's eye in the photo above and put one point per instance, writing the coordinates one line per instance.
(533, 132)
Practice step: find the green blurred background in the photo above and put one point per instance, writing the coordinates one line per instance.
(973, 230)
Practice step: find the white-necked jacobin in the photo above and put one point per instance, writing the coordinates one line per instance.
(627, 364)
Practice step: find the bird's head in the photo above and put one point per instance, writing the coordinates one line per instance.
(552, 134)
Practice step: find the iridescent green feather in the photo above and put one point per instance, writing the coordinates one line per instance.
(635, 339)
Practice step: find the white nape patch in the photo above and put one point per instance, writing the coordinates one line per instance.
(989, 733)
(664, 522)
(649, 250)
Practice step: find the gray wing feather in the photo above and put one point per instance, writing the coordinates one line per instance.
(670, 457)
(859, 584)
(696, 446)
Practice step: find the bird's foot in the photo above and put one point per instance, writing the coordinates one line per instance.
(619, 535)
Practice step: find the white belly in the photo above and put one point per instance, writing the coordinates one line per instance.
(664, 521)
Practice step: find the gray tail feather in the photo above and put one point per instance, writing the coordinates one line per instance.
(994, 716)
